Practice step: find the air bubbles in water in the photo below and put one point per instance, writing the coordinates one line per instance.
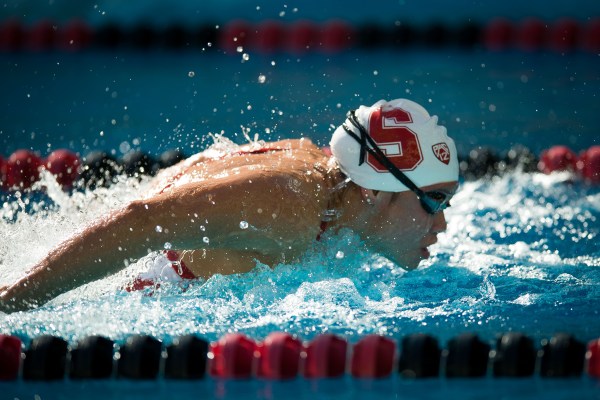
(168, 246)
(262, 78)
(206, 240)
(158, 229)
(191, 74)
(243, 225)
(339, 255)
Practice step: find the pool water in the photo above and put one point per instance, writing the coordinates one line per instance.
(157, 100)
(521, 252)
(300, 389)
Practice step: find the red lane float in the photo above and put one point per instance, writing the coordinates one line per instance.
(233, 357)
(299, 37)
(588, 165)
(22, 169)
(279, 356)
(64, 165)
(234, 35)
(562, 158)
(75, 36)
(42, 36)
(591, 36)
(336, 36)
(565, 35)
(499, 34)
(531, 34)
(10, 357)
(302, 36)
(557, 158)
(592, 357)
(325, 357)
(269, 37)
(373, 357)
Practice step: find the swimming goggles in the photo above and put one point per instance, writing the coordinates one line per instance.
(432, 202)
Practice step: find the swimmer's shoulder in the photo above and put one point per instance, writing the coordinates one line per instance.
(304, 144)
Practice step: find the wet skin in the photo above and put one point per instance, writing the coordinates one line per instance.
(397, 225)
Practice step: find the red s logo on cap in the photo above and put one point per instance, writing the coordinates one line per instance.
(400, 144)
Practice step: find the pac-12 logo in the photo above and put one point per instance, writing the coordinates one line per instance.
(441, 152)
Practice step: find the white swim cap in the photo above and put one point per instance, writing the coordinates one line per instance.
(408, 136)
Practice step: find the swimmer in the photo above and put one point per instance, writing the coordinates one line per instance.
(388, 175)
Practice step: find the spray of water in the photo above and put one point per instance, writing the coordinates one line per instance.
(519, 251)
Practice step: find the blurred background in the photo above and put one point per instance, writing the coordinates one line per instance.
(155, 75)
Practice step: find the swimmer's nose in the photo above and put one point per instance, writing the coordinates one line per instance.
(439, 223)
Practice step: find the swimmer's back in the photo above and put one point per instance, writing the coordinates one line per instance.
(293, 157)
(261, 203)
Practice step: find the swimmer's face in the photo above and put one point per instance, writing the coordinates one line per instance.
(401, 229)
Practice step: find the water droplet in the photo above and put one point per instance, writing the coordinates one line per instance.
(158, 228)
(243, 225)
(191, 74)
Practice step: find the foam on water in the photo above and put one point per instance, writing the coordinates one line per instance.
(521, 253)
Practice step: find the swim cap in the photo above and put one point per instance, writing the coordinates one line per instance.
(408, 136)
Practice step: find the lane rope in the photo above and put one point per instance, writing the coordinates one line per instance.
(284, 356)
(98, 168)
(564, 35)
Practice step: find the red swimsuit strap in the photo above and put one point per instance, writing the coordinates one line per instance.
(322, 229)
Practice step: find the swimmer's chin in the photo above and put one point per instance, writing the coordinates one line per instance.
(408, 263)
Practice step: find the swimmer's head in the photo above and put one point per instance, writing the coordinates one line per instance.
(376, 146)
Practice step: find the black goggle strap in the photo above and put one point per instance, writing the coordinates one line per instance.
(376, 152)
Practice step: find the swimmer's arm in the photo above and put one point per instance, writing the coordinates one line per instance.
(255, 212)
(284, 221)
(98, 251)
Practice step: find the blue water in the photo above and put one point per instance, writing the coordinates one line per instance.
(183, 11)
(160, 100)
(521, 252)
(325, 389)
